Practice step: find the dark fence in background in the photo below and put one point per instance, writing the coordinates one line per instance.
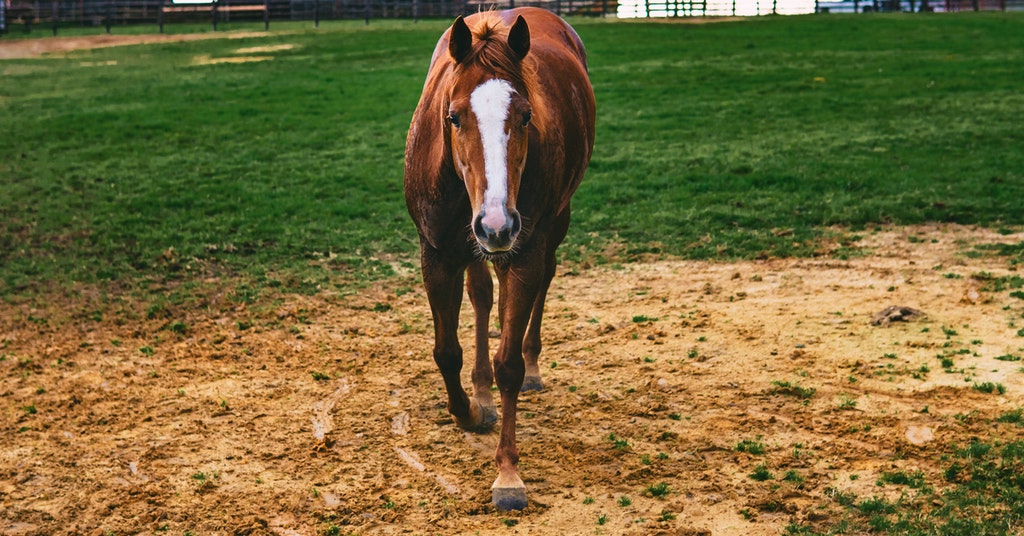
(49, 15)
(23, 16)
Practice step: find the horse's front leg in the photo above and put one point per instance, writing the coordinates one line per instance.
(532, 345)
(443, 282)
(519, 285)
(481, 294)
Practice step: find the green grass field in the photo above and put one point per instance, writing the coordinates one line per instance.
(726, 140)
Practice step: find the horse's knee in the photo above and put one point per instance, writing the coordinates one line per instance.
(448, 360)
(509, 373)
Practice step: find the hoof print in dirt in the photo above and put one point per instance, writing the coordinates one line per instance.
(507, 499)
(896, 313)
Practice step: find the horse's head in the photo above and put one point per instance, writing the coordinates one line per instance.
(488, 118)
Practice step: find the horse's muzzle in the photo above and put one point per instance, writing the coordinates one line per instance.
(497, 232)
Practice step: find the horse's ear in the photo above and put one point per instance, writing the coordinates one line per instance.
(519, 37)
(460, 41)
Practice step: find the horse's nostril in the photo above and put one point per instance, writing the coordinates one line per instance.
(478, 227)
(516, 223)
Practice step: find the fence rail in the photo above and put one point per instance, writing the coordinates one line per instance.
(30, 15)
(23, 16)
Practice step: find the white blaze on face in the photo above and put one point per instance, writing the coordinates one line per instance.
(490, 103)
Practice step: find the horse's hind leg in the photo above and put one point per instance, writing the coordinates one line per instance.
(481, 294)
(532, 345)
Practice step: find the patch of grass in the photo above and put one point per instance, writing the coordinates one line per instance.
(1014, 416)
(989, 387)
(625, 501)
(993, 283)
(902, 478)
(791, 389)
(750, 446)
(761, 473)
(618, 442)
(847, 402)
(659, 490)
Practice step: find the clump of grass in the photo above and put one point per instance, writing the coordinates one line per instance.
(625, 501)
(1008, 357)
(761, 473)
(989, 387)
(790, 389)
(913, 480)
(847, 403)
(319, 376)
(618, 442)
(205, 481)
(659, 490)
(1014, 416)
(750, 446)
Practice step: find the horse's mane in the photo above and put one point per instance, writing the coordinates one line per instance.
(492, 53)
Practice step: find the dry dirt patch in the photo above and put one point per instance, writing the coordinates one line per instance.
(327, 411)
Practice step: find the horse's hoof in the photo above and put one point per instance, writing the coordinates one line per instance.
(506, 499)
(481, 418)
(532, 383)
(488, 416)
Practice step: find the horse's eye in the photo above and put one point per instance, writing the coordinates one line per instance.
(453, 118)
(526, 118)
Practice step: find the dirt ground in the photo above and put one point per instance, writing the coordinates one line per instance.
(325, 414)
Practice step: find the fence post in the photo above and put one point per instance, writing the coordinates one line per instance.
(110, 15)
(213, 14)
(160, 15)
(56, 16)
(367, 12)
(266, 15)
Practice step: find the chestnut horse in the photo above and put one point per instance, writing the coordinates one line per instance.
(498, 144)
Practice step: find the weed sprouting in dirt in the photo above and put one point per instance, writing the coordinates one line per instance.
(619, 443)
(989, 387)
(791, 389)
(659, 490)
(1014, 416)
(902, 478)
(750, 446)
(761, 473)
